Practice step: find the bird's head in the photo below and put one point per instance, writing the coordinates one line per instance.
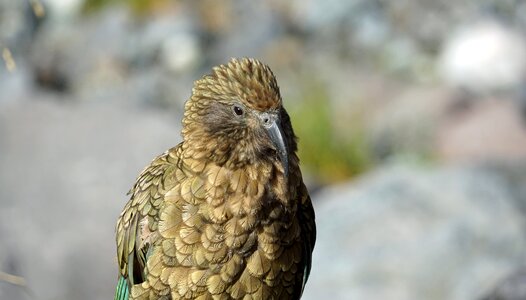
(235, 117)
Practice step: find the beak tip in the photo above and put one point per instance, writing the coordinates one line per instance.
(276, 136)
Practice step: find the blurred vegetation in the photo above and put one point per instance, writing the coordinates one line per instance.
(138, 6)
(323, 154)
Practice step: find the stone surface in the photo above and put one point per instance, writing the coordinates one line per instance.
(407, 123)
(406, 233)
(64, 174)
(501, 66)
(487, 130)
(512, 287)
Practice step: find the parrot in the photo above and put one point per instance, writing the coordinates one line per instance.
(224, 214)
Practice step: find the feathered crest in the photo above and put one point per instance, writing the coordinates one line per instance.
(247, 80)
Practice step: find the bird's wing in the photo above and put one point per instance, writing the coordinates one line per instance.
(137, 225)
(308, 230)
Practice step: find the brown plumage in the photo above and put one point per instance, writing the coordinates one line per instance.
(224, 214)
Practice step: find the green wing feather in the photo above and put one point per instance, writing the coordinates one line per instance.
(133, 241)
(122, 292)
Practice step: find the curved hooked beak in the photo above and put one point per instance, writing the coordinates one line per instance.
(275, 133)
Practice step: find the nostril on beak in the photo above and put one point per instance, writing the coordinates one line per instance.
(266, 119)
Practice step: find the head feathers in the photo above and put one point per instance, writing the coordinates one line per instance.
(210, 127)
(246, 80)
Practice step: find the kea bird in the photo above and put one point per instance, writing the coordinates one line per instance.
(225, 214)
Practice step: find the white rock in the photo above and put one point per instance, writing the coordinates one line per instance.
(180, 52)
(484, 57)
(63, 9)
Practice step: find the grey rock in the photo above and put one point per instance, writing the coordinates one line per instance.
(67, 56)
(512, 287)
(18, 24)
(170, 40)
(64, 174)
(405, 233)
(15, 85)
(243, 38)
(407, 124)
(10, 267)
(111, 57)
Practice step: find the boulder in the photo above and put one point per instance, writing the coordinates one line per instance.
(418, 233)
(64, 174)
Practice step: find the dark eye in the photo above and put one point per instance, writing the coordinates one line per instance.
(238, 110)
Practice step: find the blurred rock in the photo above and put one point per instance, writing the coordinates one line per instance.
(395, 36)
(403, 233)
(512, 287)
(484, 57)
(487, 130)
(12, 19)
(62, 11)
(64, 56)
(407, 124)
(111, 57)
(245, 39)
(429, 122)
(14, 85)
(180, 52)
(10, 268)
(18, 24)
(64, 174)
(315, 14)
(171, 40)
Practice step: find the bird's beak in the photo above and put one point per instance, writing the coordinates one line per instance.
(276, 136)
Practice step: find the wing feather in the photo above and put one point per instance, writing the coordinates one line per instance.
(133, 235)
(308, 231)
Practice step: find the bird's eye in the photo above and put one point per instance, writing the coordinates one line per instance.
(238, 110)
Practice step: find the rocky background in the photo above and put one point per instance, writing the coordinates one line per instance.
(411, 117)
